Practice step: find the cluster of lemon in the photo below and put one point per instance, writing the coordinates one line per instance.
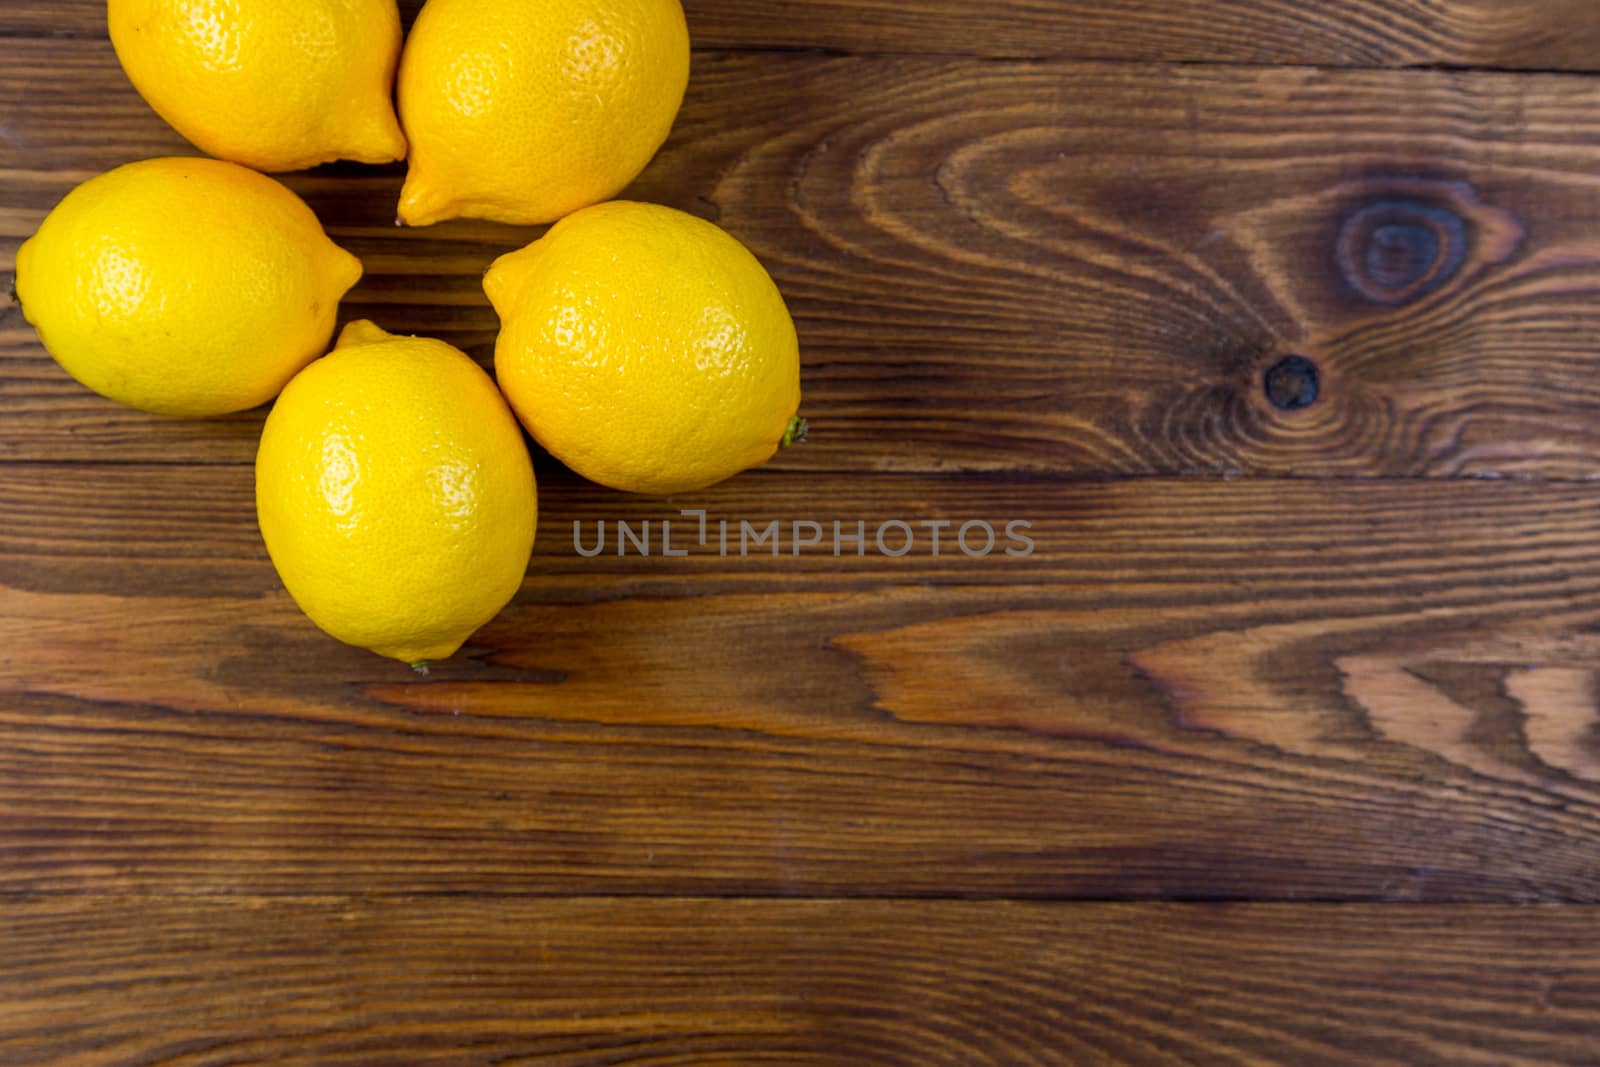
(645, 348)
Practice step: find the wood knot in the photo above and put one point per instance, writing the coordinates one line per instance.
(1410, 237)
(1292, 383)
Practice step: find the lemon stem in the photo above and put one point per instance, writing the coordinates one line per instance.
(421, 666)
(795, 433)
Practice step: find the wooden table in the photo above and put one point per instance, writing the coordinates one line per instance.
(1278, 321)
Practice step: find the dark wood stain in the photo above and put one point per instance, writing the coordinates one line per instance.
(333, 981)
(1038, 267)
(1277, 324)
(1549, 35)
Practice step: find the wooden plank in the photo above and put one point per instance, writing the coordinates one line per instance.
(1551, 34)
(1049, 267)
(98, 982)
(1196, 689)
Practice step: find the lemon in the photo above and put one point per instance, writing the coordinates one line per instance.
(523, 112)
(645, 348)
(395, 495)
(183, 286)
(273, 84)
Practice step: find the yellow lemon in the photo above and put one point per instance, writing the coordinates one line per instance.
(183, 286)
(646, 349)
(273, 84)
(395, 495)
(523, 112)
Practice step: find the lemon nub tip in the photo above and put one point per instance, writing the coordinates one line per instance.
(347, 270)
(421, 204)
(495, 287)
(381, 141)
(362, 332)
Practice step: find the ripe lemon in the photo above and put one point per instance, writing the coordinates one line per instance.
(395, 495)
(183, 286)
(524, 112)
(273, 84)
(646, 349)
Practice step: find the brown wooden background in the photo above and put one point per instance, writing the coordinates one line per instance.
(1282, 748)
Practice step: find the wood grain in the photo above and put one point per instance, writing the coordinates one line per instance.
(1551, 34)
(1032, 284)
(608, 981)
(1052, 267)
(115, 982)
(1194, 689)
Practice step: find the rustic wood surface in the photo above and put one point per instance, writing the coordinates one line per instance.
(334, 981)
(1282, 746)
(1547, 35)
(1050, 266)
